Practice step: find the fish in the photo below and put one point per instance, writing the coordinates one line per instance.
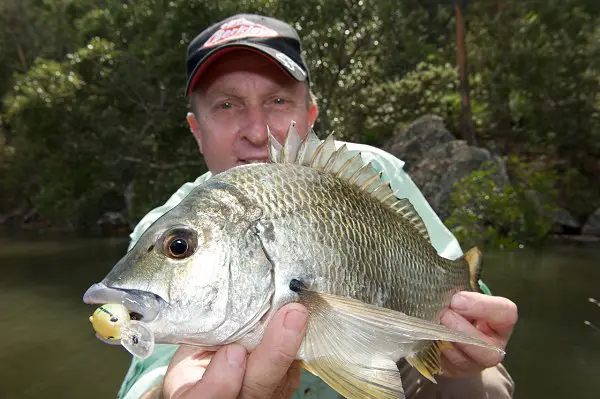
(317, 225)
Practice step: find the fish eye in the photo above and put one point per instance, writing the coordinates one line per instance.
(180, 243)
(178, 247)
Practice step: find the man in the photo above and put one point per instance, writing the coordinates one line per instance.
(245, 74)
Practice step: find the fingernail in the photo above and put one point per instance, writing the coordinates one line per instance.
(295, 320)
(459, 302)
(236, 355)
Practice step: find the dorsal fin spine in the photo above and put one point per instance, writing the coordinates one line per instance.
(370, 181)
(336, 155)
(313, 159)
(354, 178)
(323, 155)
(346, 166)
(382, 187)
(302, 151)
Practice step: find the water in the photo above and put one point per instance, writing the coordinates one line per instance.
(552, 353)
(47, 346)
(47, 349)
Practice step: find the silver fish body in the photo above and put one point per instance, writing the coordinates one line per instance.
(337, 239)
(315, 226)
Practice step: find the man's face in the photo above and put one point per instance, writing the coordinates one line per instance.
(237, 97)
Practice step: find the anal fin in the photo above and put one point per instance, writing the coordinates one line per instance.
(378, 380)
(428, 361)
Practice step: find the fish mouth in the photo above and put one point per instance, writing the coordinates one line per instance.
(142, 305)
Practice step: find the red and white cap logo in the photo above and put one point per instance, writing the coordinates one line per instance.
(238, 29)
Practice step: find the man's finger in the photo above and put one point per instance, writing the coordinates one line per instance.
(456, 363)
(223, 377)
(269, 363)
(290, 382)
(185, 370)
(481, 356)
(499, 313)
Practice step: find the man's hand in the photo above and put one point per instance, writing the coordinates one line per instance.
(270, 371)
(489, 318)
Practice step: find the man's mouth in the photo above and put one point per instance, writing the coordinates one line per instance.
(142, 306)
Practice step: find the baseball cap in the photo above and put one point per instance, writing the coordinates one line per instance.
(271, 37)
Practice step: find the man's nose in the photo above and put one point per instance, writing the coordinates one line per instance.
(255, 127)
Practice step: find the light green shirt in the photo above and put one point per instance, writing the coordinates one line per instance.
(143, 374)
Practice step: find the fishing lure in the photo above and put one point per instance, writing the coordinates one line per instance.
(113, 325)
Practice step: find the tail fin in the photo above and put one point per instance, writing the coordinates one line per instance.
(473, 257)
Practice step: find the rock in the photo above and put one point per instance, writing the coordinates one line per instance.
(14, 215)
(592, 225)
(445, 164)
(412, 144)
(435, 160)
(564, 222)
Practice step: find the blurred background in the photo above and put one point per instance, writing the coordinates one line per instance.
(493, 104)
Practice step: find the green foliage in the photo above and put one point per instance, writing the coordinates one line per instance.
(93, 106)
(485, 210)
(537, 61)
(44, 107)
(428, 89)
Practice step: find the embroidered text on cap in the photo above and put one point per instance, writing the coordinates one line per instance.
(238, 29)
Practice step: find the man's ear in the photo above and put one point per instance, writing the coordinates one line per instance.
(313, 113)
(193, 124)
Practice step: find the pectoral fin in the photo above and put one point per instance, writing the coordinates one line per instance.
(354, 346)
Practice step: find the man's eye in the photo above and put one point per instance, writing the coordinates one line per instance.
(225, 105)
(279, 101)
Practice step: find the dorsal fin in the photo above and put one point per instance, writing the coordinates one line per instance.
(344, 164)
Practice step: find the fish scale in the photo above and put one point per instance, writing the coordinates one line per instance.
(376, 243)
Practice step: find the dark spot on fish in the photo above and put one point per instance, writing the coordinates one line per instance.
(297, 285)
(135, 340)
(151, 247)
(307, 392)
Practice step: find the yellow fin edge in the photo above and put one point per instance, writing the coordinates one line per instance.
(474, 258)
(428, 361)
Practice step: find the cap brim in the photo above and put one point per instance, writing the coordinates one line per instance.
(280, 59)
